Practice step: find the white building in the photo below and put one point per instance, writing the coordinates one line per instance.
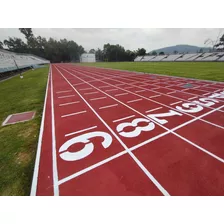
(88, 58)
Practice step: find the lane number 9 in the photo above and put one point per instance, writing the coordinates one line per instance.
(88, 148)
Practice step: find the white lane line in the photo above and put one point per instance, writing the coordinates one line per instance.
(113, 105)
(139, 91)
(78, 84)
(104, 86)
(109, 90)
(85, 89)
(171, 92)
(176, 102)
(186, 89)
(154, 109)
(100, 98)
(121, 84)
(131, 101)
(129, 87)
(65, 91)
(205, 94)
(149, 140)
(121, 94)
(72, 176)
(38, 153)
(76, 132)
(64, 104)
(169, 86)
(134, 83)
(66, 96)
(67, 115)
(192, 98)
(124, 118)
(54, 154)
(154, 96)
(90, 93)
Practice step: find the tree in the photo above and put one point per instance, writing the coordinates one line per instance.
(175, 52)
(16, 44)
(99, 55)
(130, 55)
(1, 45)
(154, 53)
(92, 51)
(161, 53)
(220, 46)
(31, 40)
(141, 52)
(27, 32)
(201, 50)
(114, 52)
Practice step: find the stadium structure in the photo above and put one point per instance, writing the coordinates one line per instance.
(10, 61)
(215, 56)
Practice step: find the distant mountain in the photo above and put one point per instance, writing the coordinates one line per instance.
(182, 49)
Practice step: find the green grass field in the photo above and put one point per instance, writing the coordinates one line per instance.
(18, 142)
(199, 70)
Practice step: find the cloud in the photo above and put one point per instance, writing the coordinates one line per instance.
(130, 38)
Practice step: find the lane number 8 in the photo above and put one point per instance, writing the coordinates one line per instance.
(120, 128)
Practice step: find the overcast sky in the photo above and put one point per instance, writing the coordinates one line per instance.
(130, 38)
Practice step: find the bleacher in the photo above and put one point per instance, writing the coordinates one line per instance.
(184, 57)
(138, 58)
(215, 56)
(194, 57)
(221, 58)
(159, 58)
(172, 57)
(147, 58)
(9, 61)
(204, 56)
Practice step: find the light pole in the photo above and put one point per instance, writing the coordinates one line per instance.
(18, 69)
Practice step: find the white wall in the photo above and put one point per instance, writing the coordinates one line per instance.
(88, 58)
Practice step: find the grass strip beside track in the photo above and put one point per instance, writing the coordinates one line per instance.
(18, 142)
(199, 70)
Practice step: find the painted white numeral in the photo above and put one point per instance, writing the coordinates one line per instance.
(190, 108)
(206, 102)
(163, 121)
(88, 148)
(217, 95)
(150, 126)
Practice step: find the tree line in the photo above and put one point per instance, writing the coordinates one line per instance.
(116, 52)
(65, 50)
(69, 51)
(51, 49)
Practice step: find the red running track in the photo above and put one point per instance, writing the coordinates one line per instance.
(110, 132)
